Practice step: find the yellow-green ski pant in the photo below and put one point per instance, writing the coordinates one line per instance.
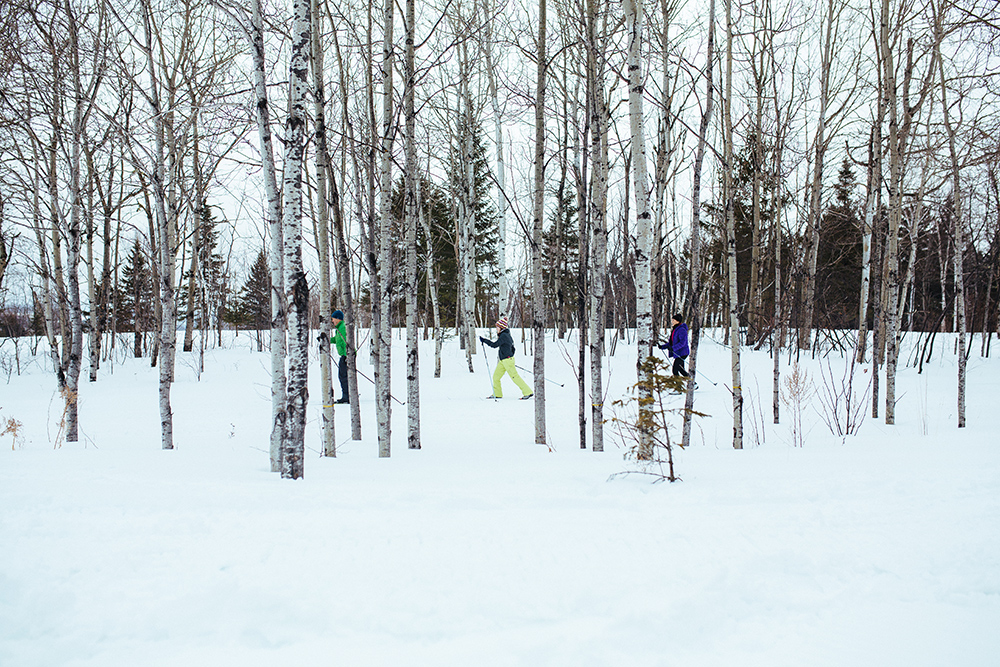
(507, 366)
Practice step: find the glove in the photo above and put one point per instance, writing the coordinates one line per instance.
(482, 340)
(320, 339)
(664, 346)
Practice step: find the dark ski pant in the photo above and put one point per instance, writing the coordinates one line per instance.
(342, 372)
(679, 366)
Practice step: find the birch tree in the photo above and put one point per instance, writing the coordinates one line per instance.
(956, 200)
(324, 174)
(296, 286)
(488, 47)
(538, 216)
(165, 238)
(597, 218)
(729, 196)
(899, 132)
(644, 313)
(820, 143)
(695, 267)
(410, 225)
(383, 340)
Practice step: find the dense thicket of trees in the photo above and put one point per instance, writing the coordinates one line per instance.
(861, 188)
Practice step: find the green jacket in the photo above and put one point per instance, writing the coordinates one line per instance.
(339, 338)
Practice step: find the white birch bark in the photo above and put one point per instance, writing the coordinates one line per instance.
(820, 143)
(164, 242)
(503, 300)
(597, 221)
(343, 261)
(898, 135)
(296, 286)
(778, 329)
(94, 347)
(383, 341)
(74, 236)
(734, 321)
(695, 268)
(272, 213)
(431, 282)
(956, 194)
(538, 215)
(410, 224)
(323, 177)
(468, 213)
(874, 180)
(643, 307)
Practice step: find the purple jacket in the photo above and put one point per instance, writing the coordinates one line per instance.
(677, 346)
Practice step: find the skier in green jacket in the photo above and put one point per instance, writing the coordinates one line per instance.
(506, 362)
(339, 339)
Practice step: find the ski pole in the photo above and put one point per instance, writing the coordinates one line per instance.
(698, 373)
(489, 374)
(373, 382)
(543, 377)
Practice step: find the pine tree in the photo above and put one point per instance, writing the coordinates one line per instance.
(838, 276)
(135, 298)
(560, 257)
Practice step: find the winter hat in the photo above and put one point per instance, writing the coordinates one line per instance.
(337, 315)
(502, 323)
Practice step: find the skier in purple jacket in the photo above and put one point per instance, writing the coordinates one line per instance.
(677, 345)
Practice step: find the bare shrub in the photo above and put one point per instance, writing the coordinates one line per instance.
(842, 405)
(796, 391)
(13, 428)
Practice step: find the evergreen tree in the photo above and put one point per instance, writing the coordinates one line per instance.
(252, 307)
(135, 298)
(838, 272)
(211, 275)
(715, 245)
(560, 257)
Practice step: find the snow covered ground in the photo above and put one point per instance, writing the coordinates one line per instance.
(484, 548)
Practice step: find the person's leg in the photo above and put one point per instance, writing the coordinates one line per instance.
(511, 367)
(345, 393)
(497, 374)
(679, 367)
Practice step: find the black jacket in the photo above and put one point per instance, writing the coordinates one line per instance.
(504, 342)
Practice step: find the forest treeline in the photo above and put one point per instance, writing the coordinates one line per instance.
(821, 176)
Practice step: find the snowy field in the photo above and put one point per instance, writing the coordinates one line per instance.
(485, 549)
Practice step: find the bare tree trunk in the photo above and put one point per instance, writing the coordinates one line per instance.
(581, 155)
(272, 214)
(95, 328)
(643, 304)
(694, 316)
(959, 224)
(410, 224)
(874, 181)
(343, 261)
(820, 143)
(165, 245)
(503, 302)
(538, 217)
(597, 222)
(324, 175)
(431, 284)
(468, 213)
(383, 340)
(296, 286)
(729, 195)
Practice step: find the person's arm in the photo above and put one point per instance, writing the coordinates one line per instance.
(487, 341)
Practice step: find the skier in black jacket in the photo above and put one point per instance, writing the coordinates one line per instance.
(506, 362)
